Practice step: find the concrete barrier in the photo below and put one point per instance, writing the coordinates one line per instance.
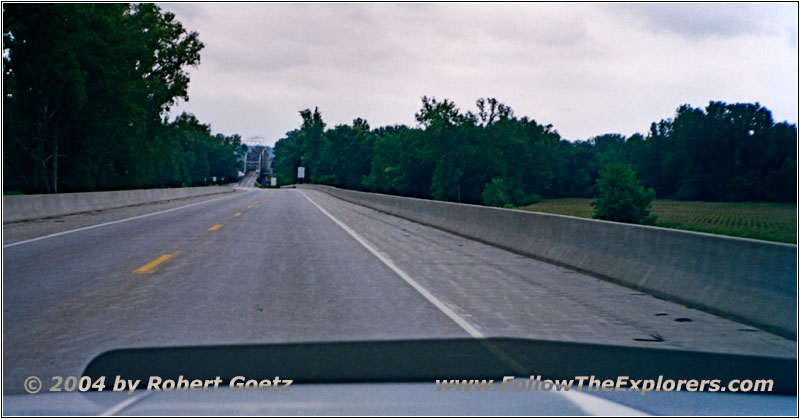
(751, 281)
(30, 207)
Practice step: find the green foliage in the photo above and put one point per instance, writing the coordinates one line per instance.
(451, 156)
(456, 156)
(620, 196)
(87, 88)
(495, 194)
(726, 152)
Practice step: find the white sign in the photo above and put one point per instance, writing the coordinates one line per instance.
(301, 172)
(273, 182)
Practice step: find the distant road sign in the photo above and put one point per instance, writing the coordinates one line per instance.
(273, 181)
(301, 172)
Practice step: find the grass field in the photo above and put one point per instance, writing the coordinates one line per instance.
(755, 220)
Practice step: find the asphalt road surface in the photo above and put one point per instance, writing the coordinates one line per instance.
(266, 266)
(248, 180)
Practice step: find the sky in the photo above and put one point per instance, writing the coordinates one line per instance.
(586, 68)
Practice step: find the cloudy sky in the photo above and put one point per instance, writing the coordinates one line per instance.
(586, 68)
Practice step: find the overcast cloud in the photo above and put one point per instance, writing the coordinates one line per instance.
(586, 68)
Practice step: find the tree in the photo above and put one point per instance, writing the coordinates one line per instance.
(313, 145)
(348, 156)
(287, 158)
(399, 165)
(87, 91)
(620, 196)
(46, 84)
(725, 152)
(495, 193)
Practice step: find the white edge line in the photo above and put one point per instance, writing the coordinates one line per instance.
(113, 410)
(598, 406)
(111, 222)
(470, 329)
(591, 405)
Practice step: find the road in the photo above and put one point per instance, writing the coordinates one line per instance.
(249, 179)
(258, 266)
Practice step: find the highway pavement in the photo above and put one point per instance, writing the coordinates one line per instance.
(249, 179)
(287, 265)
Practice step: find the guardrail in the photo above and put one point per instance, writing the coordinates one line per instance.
(751, 281)
(30, 207)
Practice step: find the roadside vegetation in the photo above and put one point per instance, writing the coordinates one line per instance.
(725, 152)
(755, 220)
(86, 99)
(620, 197)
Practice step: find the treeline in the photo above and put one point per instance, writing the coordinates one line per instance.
(727, 152)
(87, 90)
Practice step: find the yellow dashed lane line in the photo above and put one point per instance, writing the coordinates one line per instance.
(150, 267)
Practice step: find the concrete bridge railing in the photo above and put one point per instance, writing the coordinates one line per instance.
(30, 207)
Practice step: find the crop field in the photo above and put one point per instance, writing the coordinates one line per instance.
(755, 220)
